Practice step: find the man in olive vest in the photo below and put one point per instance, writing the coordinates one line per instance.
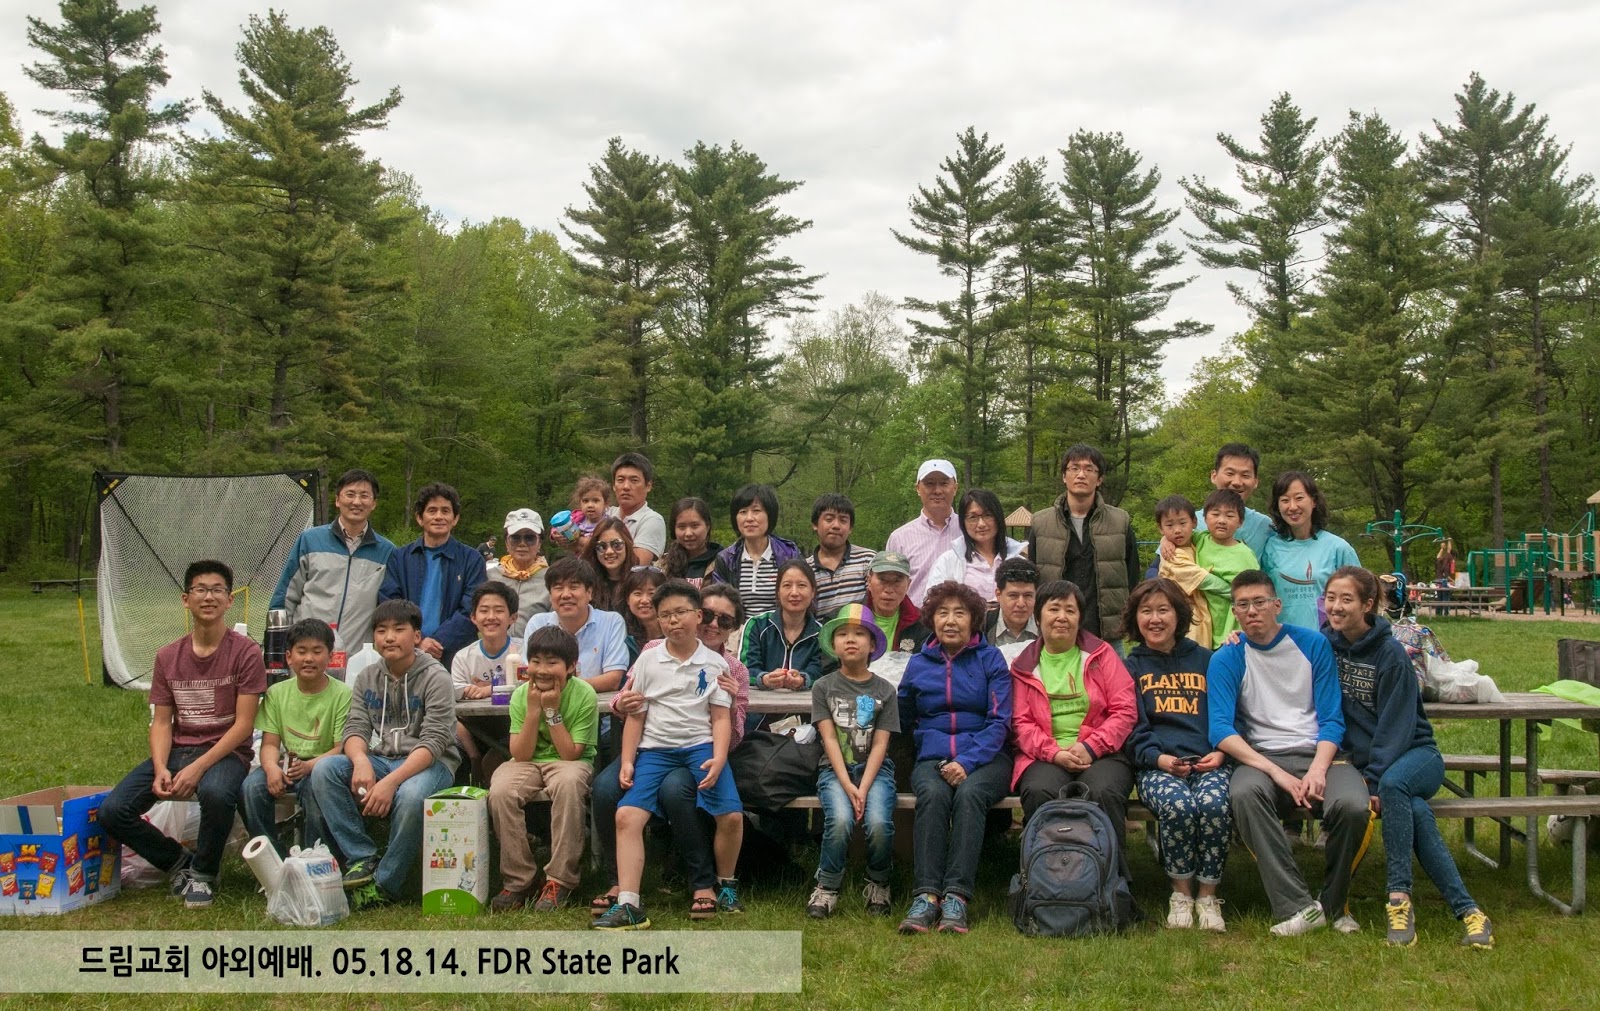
(1084, 538)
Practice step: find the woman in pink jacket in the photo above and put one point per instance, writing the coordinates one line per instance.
(1073, 707)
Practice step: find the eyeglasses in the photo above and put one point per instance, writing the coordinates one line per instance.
(609, 545)
(673, 616)
(1253, 604)
(979, 518)
(1083, 468)
(726, 622)
(521, 538)
(208, 591)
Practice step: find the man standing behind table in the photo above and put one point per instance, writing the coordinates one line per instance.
(632, 477)
(1237, 469)
(205, 690)
(437, 573)
(1085, 539)
(840, 567)
(335, 572)
(928, 536)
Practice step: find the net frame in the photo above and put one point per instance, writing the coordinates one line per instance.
(143, 553)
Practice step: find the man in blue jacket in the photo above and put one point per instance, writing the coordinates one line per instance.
(1276, 710)
(437, 573)
(336, 571)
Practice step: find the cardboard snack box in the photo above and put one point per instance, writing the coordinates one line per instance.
(455, 851)
(54, 856)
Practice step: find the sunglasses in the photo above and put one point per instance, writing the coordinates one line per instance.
(726, 622)
(609, 545)
(521, 538)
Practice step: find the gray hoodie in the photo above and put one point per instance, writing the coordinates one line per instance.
(395, 716)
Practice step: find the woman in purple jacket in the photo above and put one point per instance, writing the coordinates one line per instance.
(955, 698)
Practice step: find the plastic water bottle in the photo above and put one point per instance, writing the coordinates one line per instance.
(360, 662)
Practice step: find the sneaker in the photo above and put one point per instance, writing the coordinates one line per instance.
(622, 917)
(953, 915)
(1209, 910)
(877, 897)
(360, 872)
(728, 896)
(553, 896)
(1180, 911)
(1304, 922)
(1480, 929)
(507, 900)
(820, 905)
(1402, 921)
(179, 877)
(1347, 924)
(367, 896)
(922, 917)
(198, 895)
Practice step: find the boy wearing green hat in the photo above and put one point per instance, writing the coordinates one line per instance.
(855, 711)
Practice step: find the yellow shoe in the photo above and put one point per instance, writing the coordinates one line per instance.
(1480, 929)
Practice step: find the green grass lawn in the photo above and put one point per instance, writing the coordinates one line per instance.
(56, 730)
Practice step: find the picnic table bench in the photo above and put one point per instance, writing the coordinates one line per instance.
(40, 585)
(1470, 599)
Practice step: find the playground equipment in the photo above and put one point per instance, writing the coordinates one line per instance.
(1540, 567)
(1402, 533)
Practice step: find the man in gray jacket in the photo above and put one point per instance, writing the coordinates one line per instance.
(399, 749)
(335, 571)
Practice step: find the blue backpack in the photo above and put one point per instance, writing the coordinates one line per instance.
(1071, 882)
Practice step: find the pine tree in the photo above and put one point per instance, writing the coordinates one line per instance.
(627, 248)
(1286, 179)
(957, 221)
(1116, 260)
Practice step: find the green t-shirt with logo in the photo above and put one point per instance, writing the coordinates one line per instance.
(308, 725)
(888, 625)
(580, 713)
(1062, 674)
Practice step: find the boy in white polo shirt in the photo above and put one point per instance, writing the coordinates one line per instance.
(684, 724)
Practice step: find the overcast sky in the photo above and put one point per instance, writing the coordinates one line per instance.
(507, 103)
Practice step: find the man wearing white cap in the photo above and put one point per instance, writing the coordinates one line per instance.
(928, 536)
(522, 567)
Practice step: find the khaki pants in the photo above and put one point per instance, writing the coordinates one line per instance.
(566, 784)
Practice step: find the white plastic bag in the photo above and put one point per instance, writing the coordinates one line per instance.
(311, 893)
(1458, 682)
(176, 819)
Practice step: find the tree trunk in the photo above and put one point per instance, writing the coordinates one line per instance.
(1541, 409)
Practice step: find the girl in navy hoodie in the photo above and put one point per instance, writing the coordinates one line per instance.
(1390, 740)
(955, 698)
(1181, 777)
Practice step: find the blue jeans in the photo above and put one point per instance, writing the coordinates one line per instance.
(1409, 825)
(218, 794)
(258, 808)
(839, 824)
(341, 815)
(947, 835)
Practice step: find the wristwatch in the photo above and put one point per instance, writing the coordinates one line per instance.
(552, 717)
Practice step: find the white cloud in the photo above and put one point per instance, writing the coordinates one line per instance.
(507, 103)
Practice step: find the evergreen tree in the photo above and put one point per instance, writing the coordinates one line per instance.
(1116, 261)
(290, 211)
(1286, 182)
(627, 249)
(957, 221)
(1365, 369)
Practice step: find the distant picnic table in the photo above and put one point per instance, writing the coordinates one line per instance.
(41, 585)
(1468, 599)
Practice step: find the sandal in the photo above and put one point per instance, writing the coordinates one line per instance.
(703, 907)
(601, 904)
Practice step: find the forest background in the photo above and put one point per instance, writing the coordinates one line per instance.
(1424, 312)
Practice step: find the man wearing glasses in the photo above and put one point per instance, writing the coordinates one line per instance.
(335, 571)
(1085, 539)
(1275, 709)
(205, 691)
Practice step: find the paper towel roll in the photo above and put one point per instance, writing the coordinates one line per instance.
(264, 863)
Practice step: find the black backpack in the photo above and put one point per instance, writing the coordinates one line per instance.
(1071, 883)
(771, 769)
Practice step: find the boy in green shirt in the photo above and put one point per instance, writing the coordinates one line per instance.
(301, 721)
(1218, 549)
(555, 724)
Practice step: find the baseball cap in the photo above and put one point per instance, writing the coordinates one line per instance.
(523, 519)
(853, 614)
(944, 467)
(890, 561)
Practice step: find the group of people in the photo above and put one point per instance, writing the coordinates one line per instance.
(1247, 674)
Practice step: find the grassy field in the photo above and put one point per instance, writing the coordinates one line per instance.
(55, 729)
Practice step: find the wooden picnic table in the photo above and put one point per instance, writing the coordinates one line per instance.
(1471, 599)
(1533, 709)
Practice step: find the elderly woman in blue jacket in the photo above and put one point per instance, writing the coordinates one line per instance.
(1391, 743)
(955, 698)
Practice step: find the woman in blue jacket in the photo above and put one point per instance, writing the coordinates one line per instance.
(955, 698)
(1390, 740)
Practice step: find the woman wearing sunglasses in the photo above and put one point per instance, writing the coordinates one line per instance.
(610, 551)
(522, 567)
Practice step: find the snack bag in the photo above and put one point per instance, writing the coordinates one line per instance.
(69, 848)
(74, 879)
(47, 885)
